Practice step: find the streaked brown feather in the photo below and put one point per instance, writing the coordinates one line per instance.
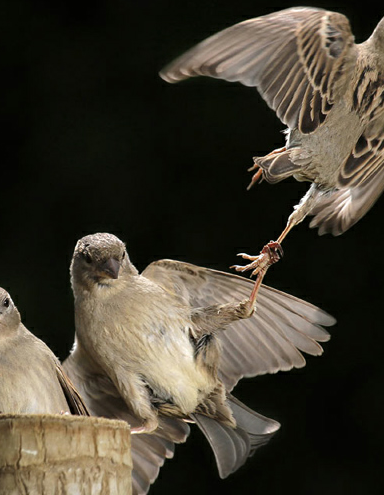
(276, 53)
(306, 66)
(75, 401)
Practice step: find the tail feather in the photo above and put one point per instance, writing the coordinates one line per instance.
(230, 446)
(233, 446)
(259, 428)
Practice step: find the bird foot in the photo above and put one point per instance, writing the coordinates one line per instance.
(148, 426)
(270, 254)
(258, 176)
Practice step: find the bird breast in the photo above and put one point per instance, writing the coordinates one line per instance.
(148, 336)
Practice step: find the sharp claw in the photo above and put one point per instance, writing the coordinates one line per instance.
(256, 177)
(146, 427)
(274, 249)
(242, 269)
(247, 256)
(254, 166)
(238, 268)
(270, 254)
(137, 430)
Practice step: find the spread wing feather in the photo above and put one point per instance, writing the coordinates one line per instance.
(269, 341)
(294, 57)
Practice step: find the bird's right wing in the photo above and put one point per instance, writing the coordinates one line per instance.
(295, 58)
(269, 341)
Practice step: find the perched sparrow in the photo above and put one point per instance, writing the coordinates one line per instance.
(328, 90)
(168, 345)
(32, 380)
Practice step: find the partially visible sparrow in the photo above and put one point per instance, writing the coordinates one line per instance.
(328, 90)
(32, 380)
(167, 346)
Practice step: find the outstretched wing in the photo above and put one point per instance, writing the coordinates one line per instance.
(294, 57)
(269, 341)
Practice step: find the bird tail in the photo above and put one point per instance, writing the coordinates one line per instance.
(233, 446)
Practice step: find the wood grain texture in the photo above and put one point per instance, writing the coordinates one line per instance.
(46, 454)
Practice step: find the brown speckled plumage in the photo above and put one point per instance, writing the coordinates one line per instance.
(328, 90)
(168, 345)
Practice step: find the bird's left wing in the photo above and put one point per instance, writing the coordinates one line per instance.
(294, 57)
(269, 341)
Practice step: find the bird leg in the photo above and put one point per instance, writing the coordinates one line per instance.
(300, 211)
(136, 394)
(274, 252)
(256, 176)
(270, 254)
(207, 320)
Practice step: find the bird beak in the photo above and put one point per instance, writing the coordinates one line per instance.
(111, 268)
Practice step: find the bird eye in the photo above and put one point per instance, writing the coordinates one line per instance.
(6, 302)
(87, 258)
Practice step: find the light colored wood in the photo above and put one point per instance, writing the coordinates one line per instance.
(64, 455)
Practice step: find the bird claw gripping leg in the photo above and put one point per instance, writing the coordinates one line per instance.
(270, 254)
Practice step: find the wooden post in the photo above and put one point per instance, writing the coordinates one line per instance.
(64, 455)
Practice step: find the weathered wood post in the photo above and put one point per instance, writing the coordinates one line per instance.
(64, 455)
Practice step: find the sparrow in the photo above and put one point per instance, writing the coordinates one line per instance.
(326, 89)
(32, 379)
(166, 347)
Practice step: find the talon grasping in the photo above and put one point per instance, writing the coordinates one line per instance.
(270, 254)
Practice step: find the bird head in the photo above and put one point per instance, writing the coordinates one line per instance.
(9, 315)
(99, 259)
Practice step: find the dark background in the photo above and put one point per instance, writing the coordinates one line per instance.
(93, 140)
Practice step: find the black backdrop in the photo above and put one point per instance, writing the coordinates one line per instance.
(93, 140)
